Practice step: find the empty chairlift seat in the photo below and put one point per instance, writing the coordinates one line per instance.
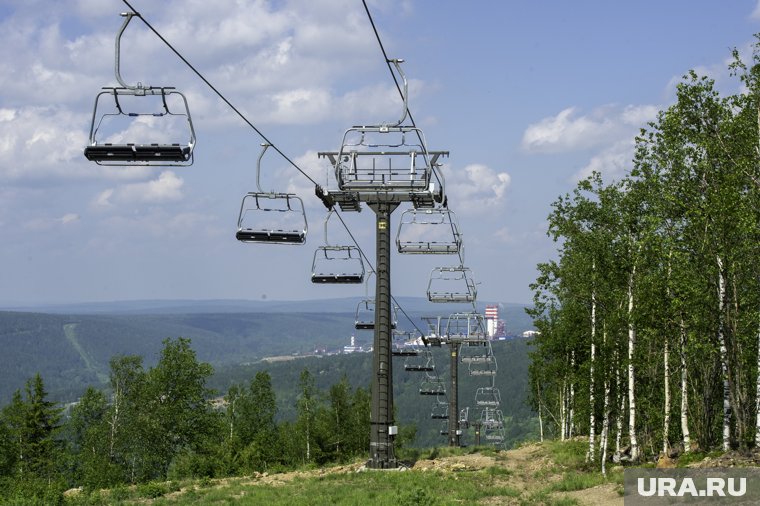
(487, 397)
(274, 218)
(117, 137)
(428, 231)
(451, 284)
(271, 217)
(338, 265)
(420, 362)
(140, 125)
(469, 327)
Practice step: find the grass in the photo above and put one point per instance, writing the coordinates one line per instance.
(563, 469)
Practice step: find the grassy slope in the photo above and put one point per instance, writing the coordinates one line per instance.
(551, 473)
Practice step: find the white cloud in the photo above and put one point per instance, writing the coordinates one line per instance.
(166, 188)
(476, 188)
(614, 162)
(756, 12)
(39, 142)
(568, 131)
(69, 218)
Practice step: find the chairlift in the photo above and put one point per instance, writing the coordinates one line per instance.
(485, 367)
(428, 231)
(464, 417)
(365, 310)
(440, 411)
(476, 353)
(271, 217)
(115, 138)
(451, 284)
(337, 264)
(488, 397)
(491, 418)
(468, 327)
(432, 386)
(421, 362)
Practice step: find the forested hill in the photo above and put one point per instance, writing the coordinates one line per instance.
(72, 351)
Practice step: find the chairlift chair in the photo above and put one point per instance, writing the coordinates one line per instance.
(491, 418)
(421, 362)
(488, 397)
(476, 354)
(365, 315)
(271, 217)
(440, 411)
(432, 387)
(337, 264)
(468, 327)
(464, 417)
(428, 231)
(120, 121)
(483, 368)
(451, 284)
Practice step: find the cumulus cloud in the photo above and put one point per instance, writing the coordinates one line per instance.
(476, 188)
(37, 142)
(614, 162)
(166, 188)
(569, 131)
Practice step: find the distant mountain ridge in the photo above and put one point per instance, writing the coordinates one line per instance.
(186, 306)
(71, 348)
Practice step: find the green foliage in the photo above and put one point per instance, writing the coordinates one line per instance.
(665, 258)
(152, 490)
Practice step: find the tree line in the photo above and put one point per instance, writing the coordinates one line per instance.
(164, 423)
(649, 319)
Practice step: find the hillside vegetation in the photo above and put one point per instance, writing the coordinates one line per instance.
(72, 351)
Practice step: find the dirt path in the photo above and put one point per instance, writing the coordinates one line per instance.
(529, 470)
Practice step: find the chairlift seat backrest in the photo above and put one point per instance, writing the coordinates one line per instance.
(428, 231)
(274, 218)
(451, 284)
(138, 153)
(337, 265)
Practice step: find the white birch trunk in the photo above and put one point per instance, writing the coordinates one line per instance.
(684, 392)
(723, 356)
(606, 414)
(619, 420)
(571, 403)
(666, 368)
(666, 421)
(631, 374)
(563, 411)
(540, 417)
(592, 421)
(757, 393)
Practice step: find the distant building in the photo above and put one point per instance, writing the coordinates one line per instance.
(353, 348)
(495, 328)
(530, 333)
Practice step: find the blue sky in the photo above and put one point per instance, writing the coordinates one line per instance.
(527, 96)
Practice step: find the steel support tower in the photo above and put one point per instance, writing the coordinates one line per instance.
(383, 429)
(383, 201)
